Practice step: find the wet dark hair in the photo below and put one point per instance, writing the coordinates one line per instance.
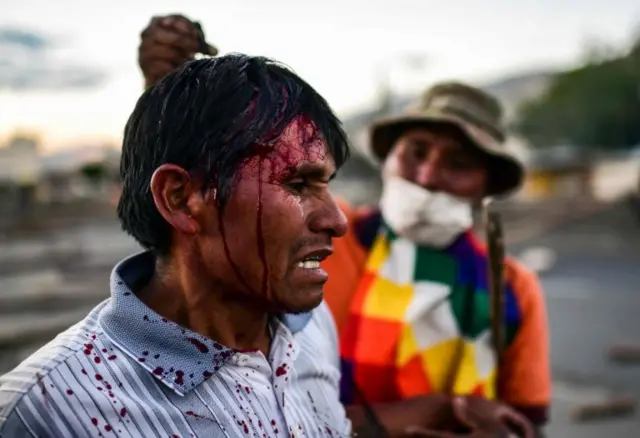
(207, 117)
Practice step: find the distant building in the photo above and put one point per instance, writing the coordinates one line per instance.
(20, 172)
(20, 161)
(63, 179)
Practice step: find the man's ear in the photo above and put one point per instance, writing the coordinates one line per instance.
(178, 198)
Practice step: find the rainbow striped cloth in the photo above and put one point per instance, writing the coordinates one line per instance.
(411, 310)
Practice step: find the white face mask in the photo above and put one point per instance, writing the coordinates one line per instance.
(424, 217)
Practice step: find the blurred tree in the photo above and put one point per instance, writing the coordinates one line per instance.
(94, 172)
(596, 105)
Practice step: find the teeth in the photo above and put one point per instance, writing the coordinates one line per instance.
(309, 264)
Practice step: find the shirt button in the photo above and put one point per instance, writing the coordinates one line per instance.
(242, 359)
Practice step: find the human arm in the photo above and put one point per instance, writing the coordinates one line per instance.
(14, 425)
(525, 379)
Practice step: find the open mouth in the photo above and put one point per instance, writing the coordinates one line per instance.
(313, 259)
(309, 264)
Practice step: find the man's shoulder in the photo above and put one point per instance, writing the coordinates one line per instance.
(40, 372)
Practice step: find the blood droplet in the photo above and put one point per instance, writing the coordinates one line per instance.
(199, 345)
(281, 370)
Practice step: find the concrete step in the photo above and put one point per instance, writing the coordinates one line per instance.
(60, 298)
(25, 328)
(9, 359)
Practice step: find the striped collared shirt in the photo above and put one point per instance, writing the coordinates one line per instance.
(124, 371)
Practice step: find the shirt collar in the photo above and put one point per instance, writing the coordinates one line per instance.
(179, 357)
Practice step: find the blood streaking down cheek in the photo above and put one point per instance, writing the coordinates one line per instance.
(271, 166)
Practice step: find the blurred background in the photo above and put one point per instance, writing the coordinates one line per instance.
(567, 72)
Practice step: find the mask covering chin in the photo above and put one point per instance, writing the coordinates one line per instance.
(421, 216)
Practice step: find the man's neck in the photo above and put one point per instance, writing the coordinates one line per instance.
(181, 295)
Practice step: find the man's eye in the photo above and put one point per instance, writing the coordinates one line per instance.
(298, 186)
(417, 151)
(462, 164)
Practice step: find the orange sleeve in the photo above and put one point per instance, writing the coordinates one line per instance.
(344, 268)
(525, 380)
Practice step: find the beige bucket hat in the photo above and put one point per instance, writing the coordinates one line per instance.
(476, 113)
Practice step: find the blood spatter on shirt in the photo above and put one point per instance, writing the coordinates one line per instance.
(69, 391)
(112, 357)
(193, 414)
(244, 426)
(43, 389)
(123, 412)
(179, 377)
(199, 345)
(158, 371)
(281, 370)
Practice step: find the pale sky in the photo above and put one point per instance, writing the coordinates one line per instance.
(335, 45)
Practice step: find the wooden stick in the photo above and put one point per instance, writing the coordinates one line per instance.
(496, 253)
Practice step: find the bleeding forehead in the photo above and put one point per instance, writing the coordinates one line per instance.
(299, 143)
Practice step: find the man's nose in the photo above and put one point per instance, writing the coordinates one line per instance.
(428, 175)
(329, 218)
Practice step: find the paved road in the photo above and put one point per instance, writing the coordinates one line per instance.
(593, 295)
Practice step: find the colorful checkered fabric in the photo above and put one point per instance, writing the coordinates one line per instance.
(408, 315)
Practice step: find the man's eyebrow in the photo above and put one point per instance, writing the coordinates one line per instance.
(312, 171)
(418, 141)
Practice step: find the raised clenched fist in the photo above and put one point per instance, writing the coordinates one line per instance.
(168, 42)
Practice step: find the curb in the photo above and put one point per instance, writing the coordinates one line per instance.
(544, 228)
